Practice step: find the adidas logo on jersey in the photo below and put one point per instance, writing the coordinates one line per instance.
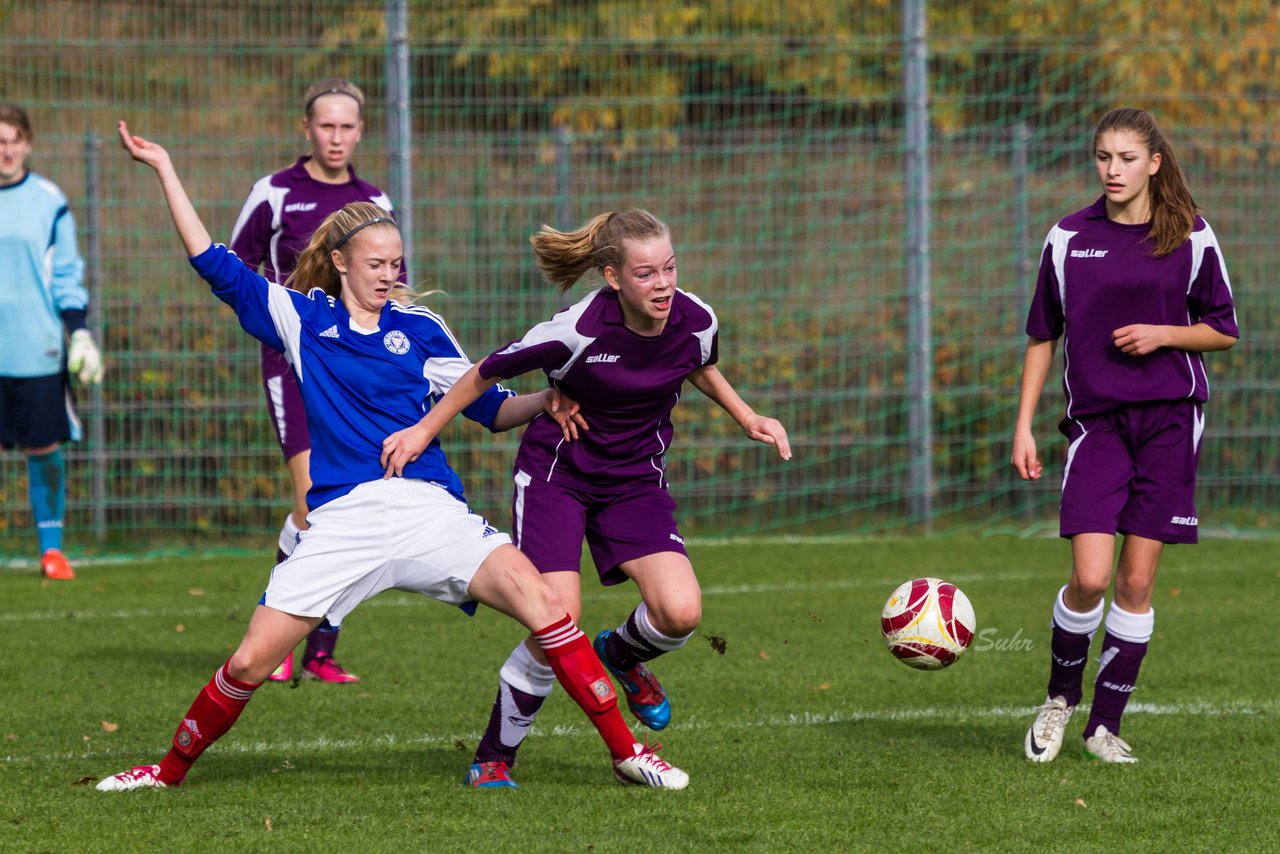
(331, 332)
(602, 358)
(1088, 253)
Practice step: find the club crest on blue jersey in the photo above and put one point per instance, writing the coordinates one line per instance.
(396, 341)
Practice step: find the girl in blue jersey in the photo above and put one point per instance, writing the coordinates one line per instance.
(1136, 287)
(367, 365)
(42, 314)
(274, 226)
(624, 353)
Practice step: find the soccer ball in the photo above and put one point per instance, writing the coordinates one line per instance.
(927, 623)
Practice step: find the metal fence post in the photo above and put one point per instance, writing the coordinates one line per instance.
(93, 283)
(399, 124)
(919, 303)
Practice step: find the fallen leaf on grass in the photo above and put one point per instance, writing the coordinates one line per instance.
(84, 781)
(821, 686)
(108, 726)
(718, 643)
(764, 655)
(1080, 803)
(1175, 591)
(268, 824)
(195, 591)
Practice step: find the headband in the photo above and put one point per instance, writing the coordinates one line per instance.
(306, 108)
(344, 238)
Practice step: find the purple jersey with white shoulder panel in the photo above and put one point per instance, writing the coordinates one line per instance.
(1096, 276)
(626, 383)
(284, 209)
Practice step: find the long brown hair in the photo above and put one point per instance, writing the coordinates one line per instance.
(1173, 210)
(564, 257)
(340, 230)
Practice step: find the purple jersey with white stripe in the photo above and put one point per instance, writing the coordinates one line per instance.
(283, 211)
(626, 383)
(1096, 276)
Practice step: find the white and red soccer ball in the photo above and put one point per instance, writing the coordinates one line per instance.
(927, 623)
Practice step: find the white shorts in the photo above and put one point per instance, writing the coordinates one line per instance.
(398, 533)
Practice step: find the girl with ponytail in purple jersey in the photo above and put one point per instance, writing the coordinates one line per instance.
(623, 353)
(274, 227)
(1136, 287)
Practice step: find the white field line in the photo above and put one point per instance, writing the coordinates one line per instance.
(803, 719)
(627, 592)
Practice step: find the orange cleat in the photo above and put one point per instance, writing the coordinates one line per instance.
(54, 565)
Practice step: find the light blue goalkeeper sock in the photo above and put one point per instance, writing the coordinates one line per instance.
(47, 486)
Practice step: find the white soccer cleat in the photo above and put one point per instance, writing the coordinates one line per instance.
(647, 768)
(1044, 739)
(141, 777)
(1106, 746)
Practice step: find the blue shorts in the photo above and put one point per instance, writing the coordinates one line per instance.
(37, 411)
(550, 521)
(1133, 472)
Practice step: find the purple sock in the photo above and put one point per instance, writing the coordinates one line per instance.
(1068, 654)
(1069, 648)
(509, 722)
(1117, 678)
(630, 644)
(321, 641)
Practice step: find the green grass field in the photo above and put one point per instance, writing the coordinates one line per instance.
(804, 735)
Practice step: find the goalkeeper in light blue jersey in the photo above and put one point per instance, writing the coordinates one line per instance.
(43, 335)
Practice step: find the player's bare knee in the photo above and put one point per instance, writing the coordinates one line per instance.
(676, 619)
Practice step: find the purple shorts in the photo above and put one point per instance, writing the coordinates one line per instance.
(549, 522)
(1133, 472)
(284, 403)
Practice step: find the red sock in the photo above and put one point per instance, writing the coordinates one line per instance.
(584, 679)
(213, 713)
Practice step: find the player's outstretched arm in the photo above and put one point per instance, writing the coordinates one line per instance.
(404, 446)
(1035, 370)
(195, 237)
(770, 431)
(523, 408)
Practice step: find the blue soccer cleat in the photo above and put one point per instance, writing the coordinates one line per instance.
(490, 775)
(645, 697)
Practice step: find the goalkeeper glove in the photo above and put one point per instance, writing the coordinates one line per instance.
(84, 359)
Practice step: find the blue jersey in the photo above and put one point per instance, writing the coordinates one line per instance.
(40, 276)
(358, 386)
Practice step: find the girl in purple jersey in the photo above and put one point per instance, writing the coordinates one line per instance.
(623, 353)
(382, 366)
(1136, 287)
(273, 227)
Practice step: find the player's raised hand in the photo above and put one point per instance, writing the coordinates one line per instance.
(151, 153)
(771, 432)
(403, 447)
(1024, 457)
(567, 412)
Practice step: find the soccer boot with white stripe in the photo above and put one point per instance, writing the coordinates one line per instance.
(141, 777)
(647, 768)
(1106, 746)
(645, 697)
(1044, 739)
